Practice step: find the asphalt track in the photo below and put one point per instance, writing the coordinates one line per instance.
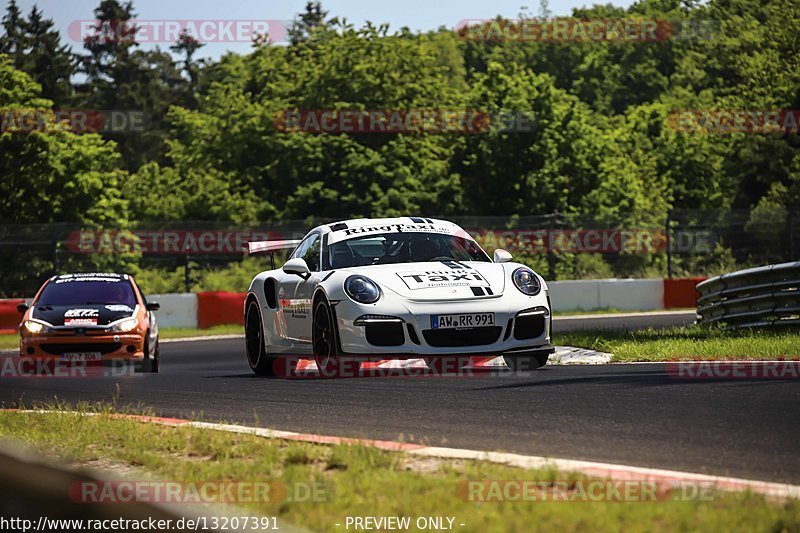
(629, 414)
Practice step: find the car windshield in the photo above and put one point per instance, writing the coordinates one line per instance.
(405, 247)
(88, 292)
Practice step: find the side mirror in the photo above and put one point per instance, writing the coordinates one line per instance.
(297, 266)
(21, 308)
(501, 256)
(152, 306)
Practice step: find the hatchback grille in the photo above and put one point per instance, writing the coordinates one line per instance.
(102, 347)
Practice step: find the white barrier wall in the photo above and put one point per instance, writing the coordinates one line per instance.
(177, 310)
(623, 294)
(181, 310)
(574, 295)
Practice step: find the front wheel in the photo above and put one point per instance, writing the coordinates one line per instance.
(150, 361)
(324, 340)
(260, 362)
(525, 363)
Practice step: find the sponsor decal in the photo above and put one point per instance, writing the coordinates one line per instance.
(343, 234)
(80, 322)
(81, 317)
(119, 308)
(443, 278)
(81, 313)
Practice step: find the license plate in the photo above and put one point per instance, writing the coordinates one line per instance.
(469, 320)
(82, 356)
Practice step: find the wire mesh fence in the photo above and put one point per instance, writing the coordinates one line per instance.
(192, 256)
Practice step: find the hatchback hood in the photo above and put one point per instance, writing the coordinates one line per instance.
(439, 280)
(81, 315)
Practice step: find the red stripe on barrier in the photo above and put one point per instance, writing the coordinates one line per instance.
(681, 292)
(215, 308)
(9, 316)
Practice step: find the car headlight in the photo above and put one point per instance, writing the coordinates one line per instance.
(526, 281)
(33, 327)
(126, 325)
(362, 289)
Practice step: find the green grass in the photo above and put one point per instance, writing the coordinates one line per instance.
(361, 481)
(687, 343)
(176, 333)
(612, 310)
(8, 342)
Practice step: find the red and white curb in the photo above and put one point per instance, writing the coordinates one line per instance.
(666, 479)
(564, 355)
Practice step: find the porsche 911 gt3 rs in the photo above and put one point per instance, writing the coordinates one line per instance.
(394, 288)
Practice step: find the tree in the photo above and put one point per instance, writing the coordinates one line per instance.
(188, 46)
(120, 77)
(35, 48)
(309, 23)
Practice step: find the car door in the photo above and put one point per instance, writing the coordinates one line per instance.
(295, 293)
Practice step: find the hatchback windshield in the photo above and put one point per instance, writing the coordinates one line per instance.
(405, 247)
(88, 292)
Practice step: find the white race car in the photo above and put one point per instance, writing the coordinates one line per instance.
(394, 288)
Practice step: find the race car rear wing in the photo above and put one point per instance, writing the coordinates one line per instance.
(258, 247)
(269, 247)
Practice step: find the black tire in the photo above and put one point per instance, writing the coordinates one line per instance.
(325, 340)
(150, 362)
(525, 363)
(260, 362)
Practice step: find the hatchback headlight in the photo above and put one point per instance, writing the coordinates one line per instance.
(33, 327)
(126, 325)
(362, 289)
(526, 281)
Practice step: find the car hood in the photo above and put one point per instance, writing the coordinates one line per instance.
(81, 315)
(440, 280)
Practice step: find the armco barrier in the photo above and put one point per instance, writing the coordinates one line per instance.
(755, 297)
(9, 316)
(177, 310)
(215, 308)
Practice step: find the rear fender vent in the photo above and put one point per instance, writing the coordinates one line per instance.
(271, 293)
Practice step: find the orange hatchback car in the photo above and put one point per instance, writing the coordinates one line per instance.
(93, 318)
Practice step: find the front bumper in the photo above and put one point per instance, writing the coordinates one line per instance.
(403, 328)
(112, 347)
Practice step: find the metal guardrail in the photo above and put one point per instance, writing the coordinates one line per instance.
(756, 297)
